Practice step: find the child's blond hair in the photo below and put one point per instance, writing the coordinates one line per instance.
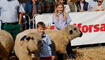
(56, 12)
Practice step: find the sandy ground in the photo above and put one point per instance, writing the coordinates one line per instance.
(90, 53)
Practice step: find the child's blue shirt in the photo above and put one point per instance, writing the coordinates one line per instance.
(47, 47)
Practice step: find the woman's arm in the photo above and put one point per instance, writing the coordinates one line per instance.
(68, 19)
(21, 12)
(20, 18)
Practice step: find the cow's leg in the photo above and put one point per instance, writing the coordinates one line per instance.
(70, 52)
(61, 56)
(5, 58)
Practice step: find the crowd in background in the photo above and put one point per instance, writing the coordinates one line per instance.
(48, 6)
(32, 7)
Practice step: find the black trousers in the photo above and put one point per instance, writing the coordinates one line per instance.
(69, 49)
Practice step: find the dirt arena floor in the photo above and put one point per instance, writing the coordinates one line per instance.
(90, 53)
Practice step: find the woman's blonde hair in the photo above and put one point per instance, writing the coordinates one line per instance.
(56, 12)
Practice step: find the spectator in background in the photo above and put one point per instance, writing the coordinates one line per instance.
(21, 17)
(92, 3)
(67, 9)
(61, 1)
(41, 8)
(103, 2)
(31, 7)
(46, 6)
(23, 12)
(84, 6)
(49, 6)
(99, 6)
(56, 1)
(74, 7)
(10, 10)
(23, 2)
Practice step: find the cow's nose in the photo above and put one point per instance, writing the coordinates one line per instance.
(81, 34)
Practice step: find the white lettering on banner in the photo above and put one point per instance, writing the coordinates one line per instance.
(92, 24)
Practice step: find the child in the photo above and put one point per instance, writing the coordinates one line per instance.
(60, 19)
(47, 52)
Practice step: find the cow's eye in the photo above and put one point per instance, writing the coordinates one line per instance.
(32, 38)
(28, 38)
(71, 32)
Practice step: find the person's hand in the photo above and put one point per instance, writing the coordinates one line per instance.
(103, 10)
(82, 11)
(97, 10)
(52, 57)
(23, 12)
(19, 23)
(21, 43)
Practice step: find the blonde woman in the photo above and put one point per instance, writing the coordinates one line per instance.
(60, 18)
